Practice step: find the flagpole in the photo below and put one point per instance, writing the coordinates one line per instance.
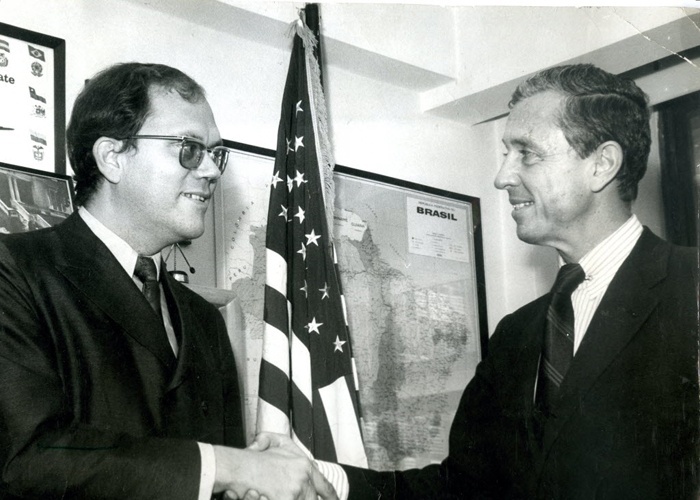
(313, 22)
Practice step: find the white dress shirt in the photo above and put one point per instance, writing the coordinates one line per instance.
(126, 256)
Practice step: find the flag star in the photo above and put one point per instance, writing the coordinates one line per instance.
(325, 291)
(313, 326)
(275, 179)
(289, 146)
(312, 238)
(298, 142)
(299, 179)
(305, 289)
(302, 251)
(338, 344)
(290, 183)
(283, 213)
(300, 214)
(298, 108)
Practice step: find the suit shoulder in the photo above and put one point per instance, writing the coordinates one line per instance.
(684, 260)
(513, 323)
(195, 299)
(28, 239)
(528, 310)
(28, 249)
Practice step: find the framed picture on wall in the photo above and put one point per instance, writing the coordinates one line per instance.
(32, 99)
(411, 266)
(32, 199)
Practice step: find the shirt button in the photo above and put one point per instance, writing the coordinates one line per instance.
(204, 406)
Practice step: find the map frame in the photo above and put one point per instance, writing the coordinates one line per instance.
(475, 230)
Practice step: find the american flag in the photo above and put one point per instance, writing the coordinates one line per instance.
(308, 386)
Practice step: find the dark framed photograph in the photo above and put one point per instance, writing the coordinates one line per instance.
(32, 99)
(31, 199)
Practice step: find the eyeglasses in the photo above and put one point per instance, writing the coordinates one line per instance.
(192, 151)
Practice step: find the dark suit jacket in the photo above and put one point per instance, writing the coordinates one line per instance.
(93, 402)
(626, 426)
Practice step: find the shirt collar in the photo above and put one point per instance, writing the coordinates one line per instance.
(606, 257)
(122, 251)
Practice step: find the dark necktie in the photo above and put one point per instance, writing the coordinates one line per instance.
(146, 272)
(558, 348)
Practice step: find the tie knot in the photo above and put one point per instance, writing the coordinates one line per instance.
(145, 269)
(569, 277)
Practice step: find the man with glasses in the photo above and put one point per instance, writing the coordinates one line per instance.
(117, 381)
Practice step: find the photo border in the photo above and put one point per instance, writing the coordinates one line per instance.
(46, 175)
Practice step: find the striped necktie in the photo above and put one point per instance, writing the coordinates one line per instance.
(558, 350)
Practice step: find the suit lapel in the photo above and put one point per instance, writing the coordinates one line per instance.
(89, 265)
(531, 350)
(626, 305)
(182, 318)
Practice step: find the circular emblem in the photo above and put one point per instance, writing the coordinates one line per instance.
(37, 69)
(3, 60)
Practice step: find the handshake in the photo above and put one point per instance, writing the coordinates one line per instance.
(272, 468)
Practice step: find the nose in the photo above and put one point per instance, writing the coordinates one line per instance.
(207, 169)
(507, 175)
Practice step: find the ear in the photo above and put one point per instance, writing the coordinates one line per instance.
(107, 153)
(608, 160)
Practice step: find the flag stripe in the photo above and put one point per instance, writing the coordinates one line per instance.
(276, 310)
(276, 392)
(271, 418)
(301, 374)
(340, 413)
(302, 422)
(276, 271)
(301, 445)
(275, 348)
(324, 444)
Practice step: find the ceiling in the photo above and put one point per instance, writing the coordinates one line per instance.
(462, 62)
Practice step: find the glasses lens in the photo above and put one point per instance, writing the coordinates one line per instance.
(220, 156)
(191, 153)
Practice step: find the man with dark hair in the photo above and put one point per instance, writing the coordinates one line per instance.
(590, 391)
(118, 381)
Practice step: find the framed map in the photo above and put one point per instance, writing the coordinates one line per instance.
(32, 99)
(411, 267)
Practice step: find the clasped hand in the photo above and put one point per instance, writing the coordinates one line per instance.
(272, 468)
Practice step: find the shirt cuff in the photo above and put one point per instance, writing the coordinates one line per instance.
(208, 471)
(335, 475)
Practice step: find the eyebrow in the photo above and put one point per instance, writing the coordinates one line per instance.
(522, 143)
(195, 135)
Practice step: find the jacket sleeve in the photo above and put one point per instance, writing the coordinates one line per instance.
(44, 451)
(471, 470)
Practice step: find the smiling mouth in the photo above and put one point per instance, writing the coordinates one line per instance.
(520, 206)
(196, 197)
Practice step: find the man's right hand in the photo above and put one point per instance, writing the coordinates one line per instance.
(276, 474)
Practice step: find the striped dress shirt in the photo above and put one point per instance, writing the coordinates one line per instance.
(601, 265)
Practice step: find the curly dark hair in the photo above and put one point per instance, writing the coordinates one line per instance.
(115, 103)
(599, 107)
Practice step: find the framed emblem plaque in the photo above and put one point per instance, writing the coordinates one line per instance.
(32, 100)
